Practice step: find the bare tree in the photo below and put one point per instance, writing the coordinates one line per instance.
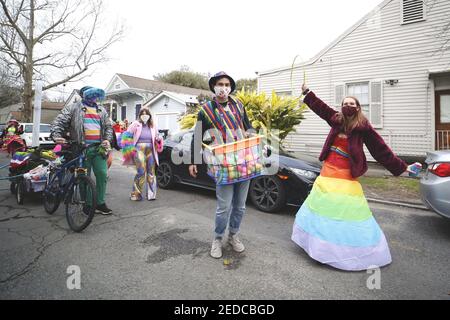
(442, 30)
(10, 91)
(56, 41)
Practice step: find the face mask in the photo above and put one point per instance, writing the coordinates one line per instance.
(222, 92)
(349, 111)
(145, 118)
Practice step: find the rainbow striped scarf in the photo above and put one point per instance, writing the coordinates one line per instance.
(228, 124)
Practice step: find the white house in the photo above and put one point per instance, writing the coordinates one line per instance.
(125, 95)
(396, 60)
(167, 107)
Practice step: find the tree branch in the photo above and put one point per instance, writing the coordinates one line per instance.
(13, 23)
(65, 80)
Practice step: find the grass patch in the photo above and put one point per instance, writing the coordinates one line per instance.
(392, 184)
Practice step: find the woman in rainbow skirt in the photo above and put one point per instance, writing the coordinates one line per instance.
(335, 225)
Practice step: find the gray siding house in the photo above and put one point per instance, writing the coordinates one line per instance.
(396, 61)
(167, 107)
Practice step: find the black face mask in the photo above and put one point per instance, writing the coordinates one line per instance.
(349, 111)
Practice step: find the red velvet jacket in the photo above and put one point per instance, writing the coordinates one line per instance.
(366, 134)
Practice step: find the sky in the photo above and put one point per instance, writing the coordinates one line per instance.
(239, 37)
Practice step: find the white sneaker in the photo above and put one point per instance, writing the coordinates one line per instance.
(236, 243)
(216, 249)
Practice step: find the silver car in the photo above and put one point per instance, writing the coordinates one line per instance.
(435, 184)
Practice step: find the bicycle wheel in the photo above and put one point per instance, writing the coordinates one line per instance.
(81, 202)
(20, 191)
(51, 194)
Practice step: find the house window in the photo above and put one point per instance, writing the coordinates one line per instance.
(114, 112)
(117, 86)
(413, 11)
(361, 92)
(370, 96)
(124, 112)
(138, 109)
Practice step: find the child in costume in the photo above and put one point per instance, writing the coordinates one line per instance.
(10, 137)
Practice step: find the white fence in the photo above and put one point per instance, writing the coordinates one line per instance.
(442, 139)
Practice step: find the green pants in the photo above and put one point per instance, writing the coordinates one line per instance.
(95, 162)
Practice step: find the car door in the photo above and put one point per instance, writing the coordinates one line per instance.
(171, 148)
(180, 156)
(183, 150)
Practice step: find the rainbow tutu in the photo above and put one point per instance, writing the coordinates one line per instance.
(336, 227)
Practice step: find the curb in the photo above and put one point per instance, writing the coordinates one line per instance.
(401, 204)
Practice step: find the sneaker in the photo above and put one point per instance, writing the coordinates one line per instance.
(216, 249)
(237, 245)
(103, 209)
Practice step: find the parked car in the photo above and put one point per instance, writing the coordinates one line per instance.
(435, 184)
(44, 135)
(290, 186)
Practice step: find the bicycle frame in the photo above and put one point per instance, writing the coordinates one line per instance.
(76, 166)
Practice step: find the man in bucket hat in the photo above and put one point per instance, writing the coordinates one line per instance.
(224, 120)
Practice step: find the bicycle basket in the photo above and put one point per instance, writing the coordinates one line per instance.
(19, 160)
(234, 162)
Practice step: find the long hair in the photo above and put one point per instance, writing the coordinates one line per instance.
(147, 111)
(358, 120)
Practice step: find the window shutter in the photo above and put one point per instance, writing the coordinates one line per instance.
(339, 94)
(376, 104)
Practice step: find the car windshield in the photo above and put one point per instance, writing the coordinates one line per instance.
(45, 128)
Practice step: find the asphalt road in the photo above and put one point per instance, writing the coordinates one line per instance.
(160, 250)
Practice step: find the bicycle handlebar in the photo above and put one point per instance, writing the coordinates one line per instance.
(74, 143)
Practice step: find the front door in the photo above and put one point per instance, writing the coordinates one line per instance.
(443, 120)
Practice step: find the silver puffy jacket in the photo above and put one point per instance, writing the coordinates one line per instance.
(71, 120)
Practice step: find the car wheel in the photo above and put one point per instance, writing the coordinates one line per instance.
(164, 176)
(268, 193)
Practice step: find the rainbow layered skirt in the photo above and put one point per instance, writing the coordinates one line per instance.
(336, 227)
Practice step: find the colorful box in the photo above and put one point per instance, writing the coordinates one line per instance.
(234, 162)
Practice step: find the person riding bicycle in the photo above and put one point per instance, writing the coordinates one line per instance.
(88, 123)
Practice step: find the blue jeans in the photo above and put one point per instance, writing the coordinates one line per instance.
(230, 207)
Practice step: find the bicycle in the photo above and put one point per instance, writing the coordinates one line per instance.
(69, 182)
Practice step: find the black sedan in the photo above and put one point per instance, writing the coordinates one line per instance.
(269, 193)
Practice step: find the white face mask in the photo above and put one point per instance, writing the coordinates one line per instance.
(145, 118)
(222, 92)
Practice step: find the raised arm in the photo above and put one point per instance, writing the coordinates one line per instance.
(382, 153)
(318, 106)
